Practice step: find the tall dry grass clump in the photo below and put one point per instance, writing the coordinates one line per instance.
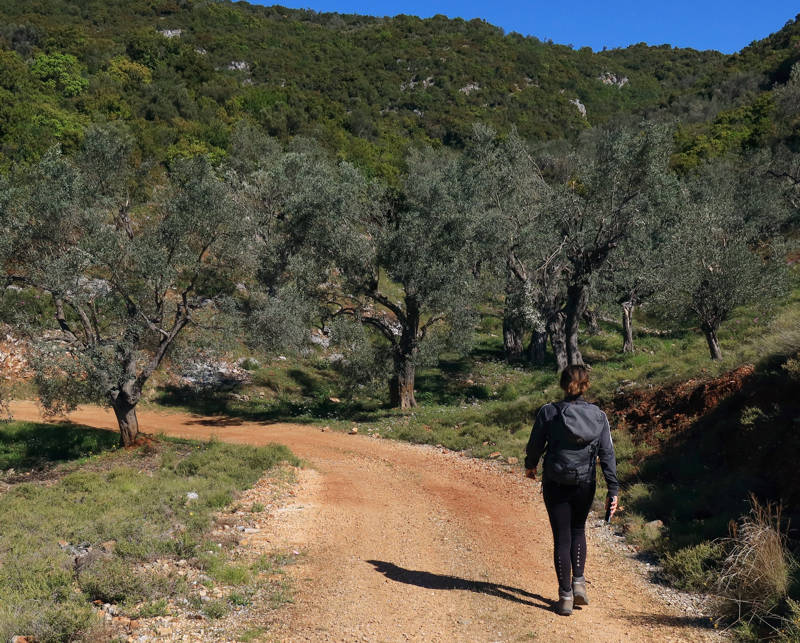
(753, 584)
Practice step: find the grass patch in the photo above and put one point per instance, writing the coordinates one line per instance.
(136, 499)
(28, 445)
(215, 609)
(153, 609)
(695, 568)
(756, 574)
(281, 594)
(252, 634)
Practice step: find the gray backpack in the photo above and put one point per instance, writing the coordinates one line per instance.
(573, 437)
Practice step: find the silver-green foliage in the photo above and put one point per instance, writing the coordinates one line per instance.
(127, 271)
(399, 263)
(720, 255)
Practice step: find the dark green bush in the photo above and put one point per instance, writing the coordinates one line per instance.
(694, 568)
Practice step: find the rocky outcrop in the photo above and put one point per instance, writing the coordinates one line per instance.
(413, 83)
(581, 107)
(238, 65)
(609, 78)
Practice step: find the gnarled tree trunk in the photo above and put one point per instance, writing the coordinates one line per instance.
(576, 305)
(537, 348)
(513, 320)
(590, 317)
(627, 327)
(127, 420)
(555, 329)
(713, 343)
(513, 334)
(401, 385)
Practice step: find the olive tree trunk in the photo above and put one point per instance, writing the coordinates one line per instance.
(576, 305)
(125, 396)
(125, 410)
(713, 343)
(592, 324)
(537, 348)
(513, 320)
(555, 329)
(401, 385)
(627, 327)
(513, 336)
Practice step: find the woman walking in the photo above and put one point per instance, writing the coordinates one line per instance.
(572, 435)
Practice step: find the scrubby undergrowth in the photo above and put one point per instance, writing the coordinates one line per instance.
(83, 531)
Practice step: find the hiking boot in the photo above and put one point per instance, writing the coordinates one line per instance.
(579, 590)
(564, 607)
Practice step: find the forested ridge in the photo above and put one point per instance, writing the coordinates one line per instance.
(182, 73)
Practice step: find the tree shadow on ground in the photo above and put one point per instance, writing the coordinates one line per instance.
(218, 421)
(27, 445)
(310, 385)
(301, 411)
(428, 580)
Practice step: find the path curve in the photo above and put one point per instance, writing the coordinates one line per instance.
(405, 542)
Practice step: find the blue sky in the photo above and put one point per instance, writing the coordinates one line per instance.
(703, 24)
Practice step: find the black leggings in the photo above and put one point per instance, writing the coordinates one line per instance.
(568, 508)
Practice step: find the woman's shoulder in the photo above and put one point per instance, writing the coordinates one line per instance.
(590, 407)
(600, 413)
(547, 411)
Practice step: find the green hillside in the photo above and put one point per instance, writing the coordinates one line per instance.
(183, 72)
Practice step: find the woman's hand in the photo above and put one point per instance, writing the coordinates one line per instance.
(530, 473)
(611, 506)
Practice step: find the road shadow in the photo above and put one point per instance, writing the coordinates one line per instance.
(428, 580)
(221, 421)
(651, 620)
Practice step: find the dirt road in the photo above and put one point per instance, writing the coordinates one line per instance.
(416, 543)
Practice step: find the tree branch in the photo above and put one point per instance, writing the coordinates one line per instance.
(382, 326)
(61, 318)
(383, 300)
(433, 320)
(124, 220)
(163, 345)
(517, 267)
(784, 175)
(88, 331)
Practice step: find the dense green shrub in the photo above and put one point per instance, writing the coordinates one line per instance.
(695, 568)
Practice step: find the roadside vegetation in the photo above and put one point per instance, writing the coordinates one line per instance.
(83, 523)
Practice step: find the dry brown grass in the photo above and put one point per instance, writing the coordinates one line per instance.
(754, 581)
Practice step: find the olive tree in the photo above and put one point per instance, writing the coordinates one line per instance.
(413, 271)
(126, 272)
(603, 202)
(401, 263)
(506, 186)
(718, 256)
(635, 272)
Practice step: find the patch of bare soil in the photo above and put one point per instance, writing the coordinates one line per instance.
(402, 543)
(673, 409)
(251, 530)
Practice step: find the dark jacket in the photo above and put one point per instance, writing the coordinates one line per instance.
(539, 443)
